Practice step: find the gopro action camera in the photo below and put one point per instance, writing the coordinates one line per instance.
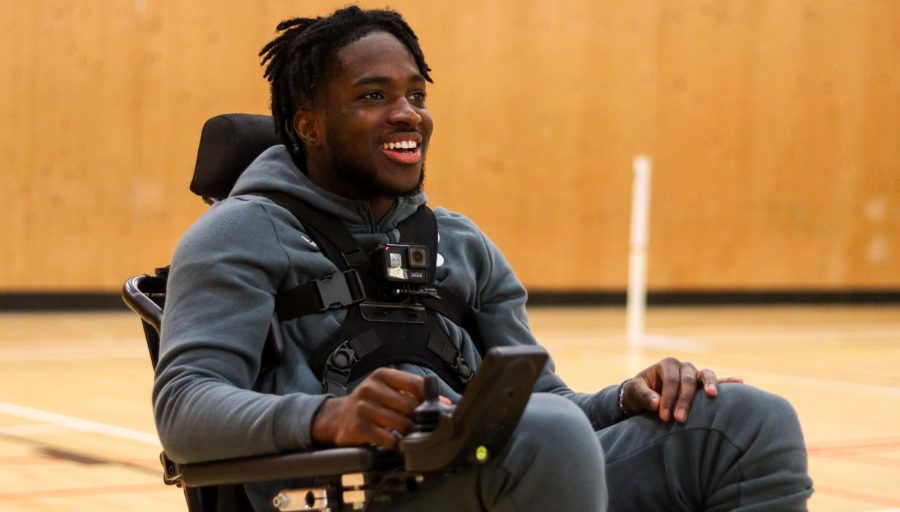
(402, 263)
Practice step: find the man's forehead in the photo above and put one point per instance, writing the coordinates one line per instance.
(376, 79)
(376, 57)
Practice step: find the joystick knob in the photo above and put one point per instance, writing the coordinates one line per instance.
(428, 414)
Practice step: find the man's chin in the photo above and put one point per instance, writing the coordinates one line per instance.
(395, 191)
(372, 182)
(400, 190)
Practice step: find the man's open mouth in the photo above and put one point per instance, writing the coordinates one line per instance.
(403, 151)
(403, 146)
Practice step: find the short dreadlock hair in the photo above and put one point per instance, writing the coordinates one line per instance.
(301, 57)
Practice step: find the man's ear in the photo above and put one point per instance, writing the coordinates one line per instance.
(308, 126)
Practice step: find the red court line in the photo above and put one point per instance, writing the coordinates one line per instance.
(872, 460)
(80, 491)
(858, 496)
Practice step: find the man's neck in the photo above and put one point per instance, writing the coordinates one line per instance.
(380, 206)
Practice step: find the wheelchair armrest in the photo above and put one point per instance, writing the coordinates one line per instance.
(135, 293)
(289, 466)
(477, 429)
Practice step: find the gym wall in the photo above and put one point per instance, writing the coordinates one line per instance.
(774, 129)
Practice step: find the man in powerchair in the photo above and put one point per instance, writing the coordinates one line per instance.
(348, 101)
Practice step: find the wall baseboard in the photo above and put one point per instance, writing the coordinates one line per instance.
(61, 301)
(107, 301)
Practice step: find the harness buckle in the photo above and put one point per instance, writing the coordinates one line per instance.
(340, 289)
(343, 358)
(337, 369)
(462, 369)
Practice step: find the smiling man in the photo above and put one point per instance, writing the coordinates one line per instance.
(366, 135)
(349, 102)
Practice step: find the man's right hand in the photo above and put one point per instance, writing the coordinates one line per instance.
(384, 400)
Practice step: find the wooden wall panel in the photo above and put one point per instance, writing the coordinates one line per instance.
(14, 134)
(774, 128)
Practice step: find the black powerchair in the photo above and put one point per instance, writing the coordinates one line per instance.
(445, 439)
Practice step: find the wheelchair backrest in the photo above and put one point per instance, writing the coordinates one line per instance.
(228, 144)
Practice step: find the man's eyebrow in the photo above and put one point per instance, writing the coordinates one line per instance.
(380, 80)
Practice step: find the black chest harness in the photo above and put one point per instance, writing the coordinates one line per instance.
(391, 299)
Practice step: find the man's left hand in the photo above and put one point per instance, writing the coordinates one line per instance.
(668, 387)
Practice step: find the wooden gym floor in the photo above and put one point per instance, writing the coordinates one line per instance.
(76, 431)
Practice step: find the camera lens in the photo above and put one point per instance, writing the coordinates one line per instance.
(418, 257)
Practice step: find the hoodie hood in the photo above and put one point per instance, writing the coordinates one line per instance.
(274, 171)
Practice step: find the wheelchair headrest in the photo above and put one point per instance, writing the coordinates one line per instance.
(228, 144)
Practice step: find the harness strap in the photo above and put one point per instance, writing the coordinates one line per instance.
(350, 254)
(447, 351)
(340, 363)
(421, 227)
(458, 311)
(338, 290)
(348, 360)
(329, 293)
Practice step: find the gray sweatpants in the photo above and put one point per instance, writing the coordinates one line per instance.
(553, 462)
(742, 451)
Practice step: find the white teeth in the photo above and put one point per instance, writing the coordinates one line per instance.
(404, 144)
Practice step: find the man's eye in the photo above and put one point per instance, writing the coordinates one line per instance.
(418, 96)
(374, 95)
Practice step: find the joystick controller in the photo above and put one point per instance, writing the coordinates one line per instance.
(428, 414)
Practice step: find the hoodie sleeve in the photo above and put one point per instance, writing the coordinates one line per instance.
(502, 320)
(220, 298)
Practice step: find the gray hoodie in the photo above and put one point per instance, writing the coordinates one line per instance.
(225, 273)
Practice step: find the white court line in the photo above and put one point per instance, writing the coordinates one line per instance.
(26, 356)
(78, 424)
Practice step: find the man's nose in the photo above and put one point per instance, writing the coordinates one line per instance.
(404, 112)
